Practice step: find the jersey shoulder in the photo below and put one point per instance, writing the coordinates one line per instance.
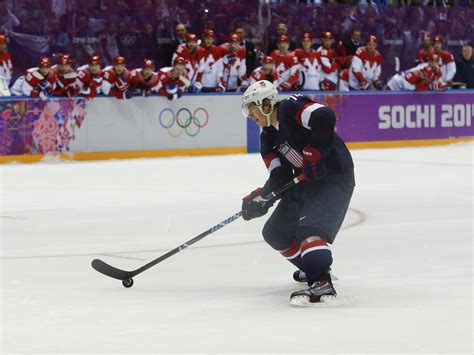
(288, 108)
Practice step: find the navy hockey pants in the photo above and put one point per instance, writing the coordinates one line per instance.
(305, 211)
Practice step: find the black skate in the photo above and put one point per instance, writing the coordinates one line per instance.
(300, 276)
(318, 292)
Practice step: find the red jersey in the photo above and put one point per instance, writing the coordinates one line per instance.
(167, 83)
(34, 84)
(423, 77)
(89, 84)
(192, 59)
(423, 55)
(138, 82)
(6, 67)
(287, 67)
(115, 85)
(66, 83)
(259, 74)
(447, 64)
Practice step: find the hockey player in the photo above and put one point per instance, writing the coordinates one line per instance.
(235, 70)
(115, 80)
(90, 77)
(266, 72)
(425, 76)
(37, 82)
(330, 64)
(173, 81)
(424, 53)
(446, 60)
(286, 64)
(366, 65)
(144, 79)
(310, 64)
(298, 139)
(192, 53)
(211, 67)
(66, 77)
(6, 67)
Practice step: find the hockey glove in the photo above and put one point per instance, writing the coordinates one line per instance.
(128, 94)
(254, 206)
(313, 168)
(43, 85)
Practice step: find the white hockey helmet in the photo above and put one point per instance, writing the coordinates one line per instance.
(256, 93)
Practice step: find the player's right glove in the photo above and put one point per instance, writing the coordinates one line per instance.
(313, 168)
(254, 206)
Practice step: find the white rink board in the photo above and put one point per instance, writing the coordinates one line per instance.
(127, 125)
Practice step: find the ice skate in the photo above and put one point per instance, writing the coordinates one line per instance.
(318, 292)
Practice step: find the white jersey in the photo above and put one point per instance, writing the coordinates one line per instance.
(310, 69)
(211, 67)
(365, 68)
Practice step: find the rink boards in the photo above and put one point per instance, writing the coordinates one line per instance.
(205, 124)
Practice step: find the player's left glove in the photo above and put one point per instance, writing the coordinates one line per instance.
(313, 168)
(254, 206)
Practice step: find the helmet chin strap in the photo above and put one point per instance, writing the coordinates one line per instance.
(267, 116)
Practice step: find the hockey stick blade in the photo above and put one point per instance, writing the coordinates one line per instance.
(110, 271)
(119, 274)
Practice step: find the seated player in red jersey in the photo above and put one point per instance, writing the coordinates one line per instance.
(90, 77)
(143, 79)
(115, 80)
(37, 82)
(173, 81)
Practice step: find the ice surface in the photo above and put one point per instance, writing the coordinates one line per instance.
(404, 259)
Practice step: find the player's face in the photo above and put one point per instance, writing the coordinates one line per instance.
(178, 70)
(208, 41)
(119, 68)
(233, 46)
(63, 68)
(306, 44)
(433, 64)
(426, 42)
(256, 115)
(371, 46)
(438, 46)
(147, 72)
(191, 45)
(267, 68)
(94, 68)
(283, 46)
(44, 70)
(327, 42)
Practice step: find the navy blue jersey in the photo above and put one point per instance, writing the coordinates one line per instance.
(303, 122)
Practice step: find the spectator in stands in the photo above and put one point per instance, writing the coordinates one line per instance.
(149, 43)
(128, 40)
(84, 41)
(59, 41)
(250, 52)
(6, 67)
(465, 68)
(31, 11)
(108, 43)
(258, 23)
(281, 30)
(145, 13)
(165, 37)
(8, 21)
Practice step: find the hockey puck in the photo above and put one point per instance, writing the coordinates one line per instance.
(127, 283)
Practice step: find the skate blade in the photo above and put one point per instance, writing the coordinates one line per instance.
(303, 301)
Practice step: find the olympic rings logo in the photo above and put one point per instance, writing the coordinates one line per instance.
(184, 121)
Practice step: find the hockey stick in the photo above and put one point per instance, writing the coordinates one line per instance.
(126, 276)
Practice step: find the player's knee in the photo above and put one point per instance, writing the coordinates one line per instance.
(309, 240)
(271, 237)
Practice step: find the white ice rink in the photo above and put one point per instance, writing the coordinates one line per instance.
(403, 257)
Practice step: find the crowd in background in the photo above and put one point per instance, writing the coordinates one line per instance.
(154, 30)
